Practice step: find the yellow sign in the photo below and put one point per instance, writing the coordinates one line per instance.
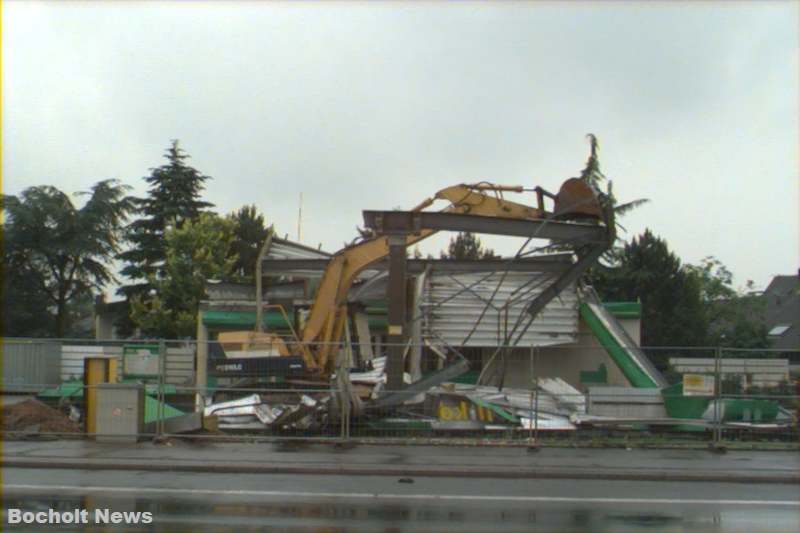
(698, 385)
(457, 410)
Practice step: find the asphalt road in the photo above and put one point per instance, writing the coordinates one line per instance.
(205, 502)
(445, 461)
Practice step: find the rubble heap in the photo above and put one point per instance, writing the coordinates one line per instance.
(34, 416)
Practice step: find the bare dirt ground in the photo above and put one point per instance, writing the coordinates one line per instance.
(33, 415)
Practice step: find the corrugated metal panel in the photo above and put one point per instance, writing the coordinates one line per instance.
(291, 251)
(72, 357)
(180, 366)
(246, 294)
(281, 249)
(370, 285)
(625, 402)
(288, 291)
(450, 312)
(30, 366)
(218, 290)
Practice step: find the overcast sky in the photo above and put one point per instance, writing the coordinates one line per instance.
(378, 106)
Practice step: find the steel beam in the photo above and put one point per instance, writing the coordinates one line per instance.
(396, 299)
(412, 222)
(554, 263)
(571, 275)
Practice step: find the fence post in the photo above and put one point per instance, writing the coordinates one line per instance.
(344, 433)
(351, 397)
(717, 438)
(162, 365)
(533, 430)
(536, 395)
(530, 403)
(343, 389)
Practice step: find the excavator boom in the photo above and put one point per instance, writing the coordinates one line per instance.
(327, 318)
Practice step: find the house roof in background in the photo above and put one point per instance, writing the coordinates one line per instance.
(782, 296)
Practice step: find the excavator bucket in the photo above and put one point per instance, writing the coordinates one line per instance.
(576, 199)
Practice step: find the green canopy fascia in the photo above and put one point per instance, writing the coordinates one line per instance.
(243, 319)
(624, 309)
(272, 320)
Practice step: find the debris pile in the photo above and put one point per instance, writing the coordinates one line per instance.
(444, 406)
(434, 403)
(554, 403)
(254, 412)
(34, 416)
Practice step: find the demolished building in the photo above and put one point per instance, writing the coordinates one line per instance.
(368, 333)
(466, 306)
(448, 305)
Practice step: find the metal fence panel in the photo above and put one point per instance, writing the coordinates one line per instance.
(72, 357)
(553, 396)
(179, 366)
(30, 366)
(625, 402)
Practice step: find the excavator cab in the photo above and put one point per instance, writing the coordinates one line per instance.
(255, 354)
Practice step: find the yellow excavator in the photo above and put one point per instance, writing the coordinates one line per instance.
(323, 329)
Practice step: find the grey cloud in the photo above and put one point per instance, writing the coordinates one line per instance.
(377, 106)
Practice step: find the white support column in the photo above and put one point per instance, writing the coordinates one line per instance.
(362, 330)
(415, 355)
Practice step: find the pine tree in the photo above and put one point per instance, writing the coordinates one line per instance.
(173, 198)
(467, 246)
(592, 175)
(250, 232)
(672, 307)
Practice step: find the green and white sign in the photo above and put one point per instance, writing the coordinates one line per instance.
(140, 360)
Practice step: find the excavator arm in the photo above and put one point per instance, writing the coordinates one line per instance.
(326, 321)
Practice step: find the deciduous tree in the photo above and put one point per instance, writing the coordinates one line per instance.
(57, 254)
(195, 252)
(736, 318)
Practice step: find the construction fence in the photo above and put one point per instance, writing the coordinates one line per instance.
(558, 395)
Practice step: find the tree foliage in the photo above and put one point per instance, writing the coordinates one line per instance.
(249, 233)
(467, 246)
(672, 306)
(26, 309)
(592, 175)
(736, 319)
(57, 254)
(682, 305)
(716, 281)
(195, 252)
(173, 198)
